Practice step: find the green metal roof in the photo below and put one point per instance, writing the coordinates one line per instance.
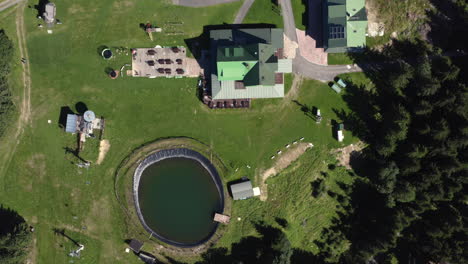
(356, 33)
(246, 55)
(355, 6)
(345, 23)
(234, 70)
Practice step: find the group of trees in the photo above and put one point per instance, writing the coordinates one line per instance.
(6, 104)
(270, 247)
(411, 204)
(15, 237)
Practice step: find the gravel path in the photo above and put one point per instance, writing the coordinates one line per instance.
(243, 11)
(201, 3)
(288, 19)
(8, 3)
(323, 73)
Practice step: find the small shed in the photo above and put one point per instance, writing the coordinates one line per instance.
(71, 126)
(340, 135)
(336, 88)
(342, 83)
(256, 191)
(242, 191)
(136, 245)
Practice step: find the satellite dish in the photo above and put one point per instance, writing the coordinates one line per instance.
(89, 116)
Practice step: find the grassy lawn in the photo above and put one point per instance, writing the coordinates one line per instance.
(50, 192)
(300, 13)
(264, 11)
(339, 58)
(344, 58)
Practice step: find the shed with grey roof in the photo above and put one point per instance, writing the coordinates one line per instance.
(241, 191)
(72, 123)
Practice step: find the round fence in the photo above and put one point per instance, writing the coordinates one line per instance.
(175, 153)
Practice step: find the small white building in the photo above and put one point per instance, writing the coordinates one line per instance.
(340, 135)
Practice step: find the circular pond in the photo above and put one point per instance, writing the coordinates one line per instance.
(176, 194)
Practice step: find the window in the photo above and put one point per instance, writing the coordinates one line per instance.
(336, 32)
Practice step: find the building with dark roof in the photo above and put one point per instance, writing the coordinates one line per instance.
(247, 63)
(241, 191)
(135, 245)
(344, 25)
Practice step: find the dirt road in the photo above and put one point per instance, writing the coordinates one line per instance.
(24, 106)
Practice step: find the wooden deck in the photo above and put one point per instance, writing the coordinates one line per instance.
(224, 219)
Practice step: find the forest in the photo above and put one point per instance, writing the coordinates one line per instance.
(6, 103)
(409, 206)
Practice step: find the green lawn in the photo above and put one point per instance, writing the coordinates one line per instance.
(300, 13)
(344, 58)
(50, 192)
(264, 11)
(339, 58)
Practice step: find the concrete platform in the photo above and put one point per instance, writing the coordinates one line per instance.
(159, 62)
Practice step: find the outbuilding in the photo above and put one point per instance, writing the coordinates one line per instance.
(49, 14)
(242, 191)
(136, 245)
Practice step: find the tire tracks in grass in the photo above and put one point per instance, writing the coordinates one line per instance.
(25, 102)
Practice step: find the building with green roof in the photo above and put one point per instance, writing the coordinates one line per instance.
(247, 63)
(344, 25)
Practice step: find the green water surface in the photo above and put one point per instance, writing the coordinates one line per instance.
(178, 199)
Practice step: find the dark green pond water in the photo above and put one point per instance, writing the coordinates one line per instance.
(178, 199)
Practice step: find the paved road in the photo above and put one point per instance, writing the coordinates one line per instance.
(288, 19)
(200, 3)
(323, 73)
(243, 11)
(8, 3)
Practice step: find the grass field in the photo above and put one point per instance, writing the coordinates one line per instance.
(264, 11)
(52, 193)
(300, 13)
(339, 58)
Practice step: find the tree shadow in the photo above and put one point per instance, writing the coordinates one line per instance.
(360, 120)
(100, 49)
(40, 7)
(9, 221)
(301, 256)
(270, 245)
(281, 221)
(75, 152)
(317, 187)
(357, 223)
(81, 108)
(307, 110)
(312, 19)
(108, 70)
(61, 232)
